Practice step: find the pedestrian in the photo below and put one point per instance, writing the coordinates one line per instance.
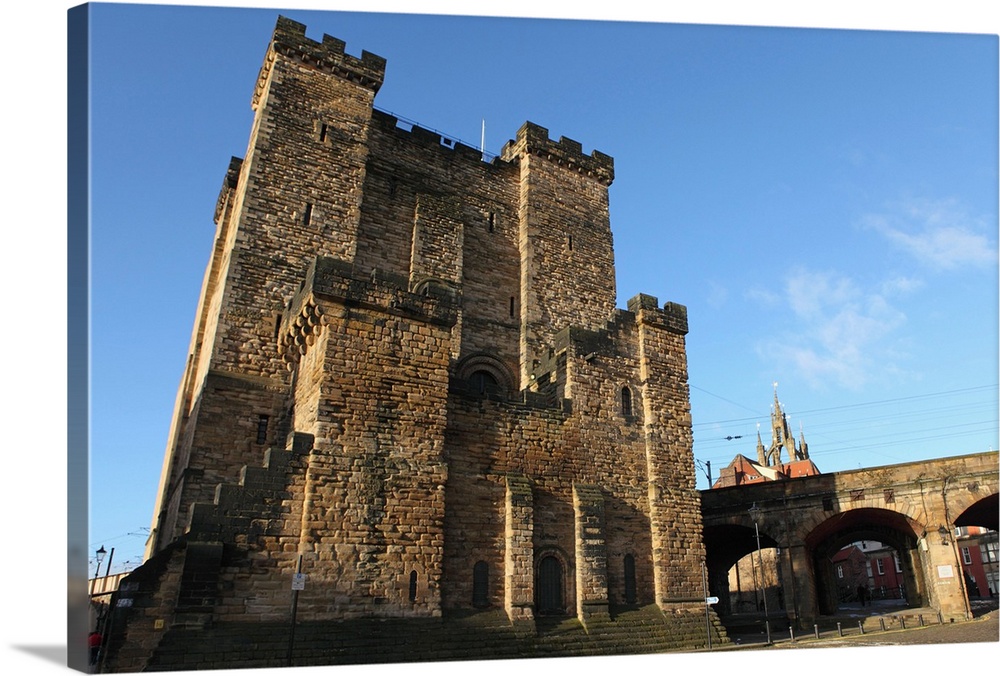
(94, 642)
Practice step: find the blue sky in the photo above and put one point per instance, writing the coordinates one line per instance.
(824, 202)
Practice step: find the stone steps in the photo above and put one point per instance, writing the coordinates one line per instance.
(473, 636)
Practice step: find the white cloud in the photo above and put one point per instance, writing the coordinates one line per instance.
(900, 286)
(762, 296)
(939, 234)
(717, 294)
(839, 332)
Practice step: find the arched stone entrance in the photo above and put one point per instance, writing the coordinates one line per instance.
(550, 586)
(877, 525)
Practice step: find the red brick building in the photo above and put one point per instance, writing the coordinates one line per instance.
(977, 550)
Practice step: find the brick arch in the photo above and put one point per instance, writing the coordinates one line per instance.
(433, 286)
(490, 364)
(860, 524)
(890, 527)
(819, 528)
(977, 505)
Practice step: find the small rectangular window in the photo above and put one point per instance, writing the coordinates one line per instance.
(307, 213)
(966, 556)
(322, 132)
(881, 566)
(988, 551)
(512, 306)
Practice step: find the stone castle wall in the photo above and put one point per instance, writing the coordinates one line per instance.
(409, 381)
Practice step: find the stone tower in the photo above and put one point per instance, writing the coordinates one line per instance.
(408, 378)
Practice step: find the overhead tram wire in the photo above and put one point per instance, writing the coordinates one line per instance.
(718, 449)
(798, 414)
(728, 401)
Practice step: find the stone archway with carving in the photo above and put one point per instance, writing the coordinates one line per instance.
(490, 365)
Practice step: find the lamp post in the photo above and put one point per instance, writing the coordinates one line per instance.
(101, 553)
(755, 515)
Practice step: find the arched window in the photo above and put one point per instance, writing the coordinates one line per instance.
(480, 584)
(413, 586)
(484, 382)
(629, 578)
(626, 402)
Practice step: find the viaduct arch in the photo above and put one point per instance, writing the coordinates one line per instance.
(912, 507)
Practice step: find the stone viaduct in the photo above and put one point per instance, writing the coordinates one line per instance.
(912, 507)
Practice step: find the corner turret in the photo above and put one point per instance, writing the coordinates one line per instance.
(289, 39)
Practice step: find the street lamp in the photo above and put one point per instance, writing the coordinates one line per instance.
(755, 515)
(101, 553)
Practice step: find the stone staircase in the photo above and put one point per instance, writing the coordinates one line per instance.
(468, 636)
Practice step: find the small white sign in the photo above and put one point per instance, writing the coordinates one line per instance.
(711, 600)
(298, 581)
(945, 572)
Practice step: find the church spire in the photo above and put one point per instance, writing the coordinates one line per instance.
(803, 452)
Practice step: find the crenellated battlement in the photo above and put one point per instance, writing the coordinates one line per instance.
(672, 317)
(331, 279)
(289, 39)
(533, 139)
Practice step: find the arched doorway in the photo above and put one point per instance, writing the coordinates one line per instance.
(550, 587)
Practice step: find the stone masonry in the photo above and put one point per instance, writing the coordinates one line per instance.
(408, 381)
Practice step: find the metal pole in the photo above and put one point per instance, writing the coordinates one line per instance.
(760, 561)
(295, 608)
(708, 619)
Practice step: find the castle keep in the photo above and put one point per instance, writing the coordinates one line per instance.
(408, 381)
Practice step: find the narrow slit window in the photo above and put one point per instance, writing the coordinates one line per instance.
(307, 214)
(480, 584)
(630, 595)
(512, 306)
(492, 221)
(413, 586)
(569, 242)
(626, 402)
(322, 132)
(262, 422)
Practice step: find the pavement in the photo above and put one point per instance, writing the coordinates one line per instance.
(984, 627)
